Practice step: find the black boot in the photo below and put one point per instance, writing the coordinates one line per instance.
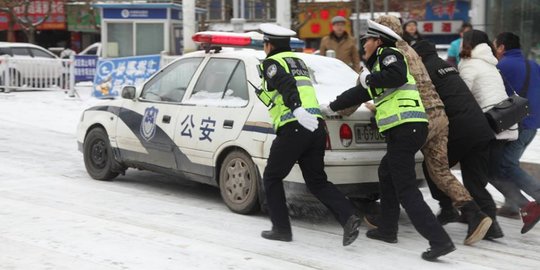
(479, 223)
(437, 251)
(377, 235)
(448, 215)
(278, 235)
(494, 231)
(350, 230)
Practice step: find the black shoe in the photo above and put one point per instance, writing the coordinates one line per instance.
(350, 230)
(276, 235)
(479, 223)
(432, 253)
(375, 234)
(448, 215)
(494, 231)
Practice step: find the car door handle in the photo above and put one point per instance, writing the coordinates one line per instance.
(228, 124)
(166, 119)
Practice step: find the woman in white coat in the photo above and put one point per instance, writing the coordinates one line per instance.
(478, 69)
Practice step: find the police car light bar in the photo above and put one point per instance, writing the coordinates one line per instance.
(252, 40)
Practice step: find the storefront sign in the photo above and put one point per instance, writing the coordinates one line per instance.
(115, 73)
(134, 13)
(37, 10)
(85, 67)
(81, 19)
(439, 27)
(447, 10)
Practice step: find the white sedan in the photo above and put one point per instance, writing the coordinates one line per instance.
(199, 118)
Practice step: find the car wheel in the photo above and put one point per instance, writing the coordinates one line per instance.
(239, 182)
(98, 156)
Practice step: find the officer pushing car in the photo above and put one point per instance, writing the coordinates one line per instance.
(300, 136)
(401, 118)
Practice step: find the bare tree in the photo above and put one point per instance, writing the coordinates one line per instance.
(28, 25)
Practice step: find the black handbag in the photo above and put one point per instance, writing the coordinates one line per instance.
(512, 110)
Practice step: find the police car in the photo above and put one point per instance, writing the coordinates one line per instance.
(199, 118)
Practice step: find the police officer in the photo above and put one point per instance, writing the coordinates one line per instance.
(300, 136)
(402, 119)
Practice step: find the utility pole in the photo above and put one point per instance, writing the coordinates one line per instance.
(188, 23)
(283, 13)
(238, 20)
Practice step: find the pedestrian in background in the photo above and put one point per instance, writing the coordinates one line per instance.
(300, 137)
(343, 44)
(523, 76)
(401, 118)
(410, 32)
(455, 46)
(436, 166)
(479, 71)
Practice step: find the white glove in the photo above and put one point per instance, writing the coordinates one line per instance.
(326, 110)
(363, 75)
(306, 119)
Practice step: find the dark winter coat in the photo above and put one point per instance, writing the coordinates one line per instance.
(467, 121)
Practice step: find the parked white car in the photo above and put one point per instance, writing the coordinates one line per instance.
(25, 65)
(199, 118)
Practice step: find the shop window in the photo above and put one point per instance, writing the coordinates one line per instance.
(150, 38)
(120, 39)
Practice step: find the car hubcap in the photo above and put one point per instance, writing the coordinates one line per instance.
(238, 181)
(98, 154)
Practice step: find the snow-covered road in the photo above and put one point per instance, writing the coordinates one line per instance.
(54, 216)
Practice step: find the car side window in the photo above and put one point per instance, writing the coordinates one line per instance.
(20, 51)
(40, 53)
(222, 83)
(92, 51)
(5, 51)
(171, 83)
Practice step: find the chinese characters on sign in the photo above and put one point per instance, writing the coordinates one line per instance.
(85, 67)
(36, 11)
(113, 74)
(207, 126)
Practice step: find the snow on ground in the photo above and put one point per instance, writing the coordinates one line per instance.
(54, 216)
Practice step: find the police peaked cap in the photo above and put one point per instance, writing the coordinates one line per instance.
(376, 30)
(275, 32)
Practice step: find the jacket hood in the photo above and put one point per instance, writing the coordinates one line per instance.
(424, 48)
(483, 52)
(391, 22)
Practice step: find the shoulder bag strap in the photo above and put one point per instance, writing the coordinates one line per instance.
(527, 79)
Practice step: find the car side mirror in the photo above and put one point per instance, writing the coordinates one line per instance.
(128, 92)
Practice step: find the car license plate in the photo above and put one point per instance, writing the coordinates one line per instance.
(366, 134)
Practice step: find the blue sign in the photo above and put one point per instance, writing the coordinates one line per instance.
(115, 73)
(447, 10)
(85, 67)
(135, 13)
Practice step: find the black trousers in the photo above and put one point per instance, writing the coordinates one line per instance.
(398, 184)
(295, 143)
(473, 157)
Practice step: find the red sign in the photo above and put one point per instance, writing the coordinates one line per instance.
(36, 11)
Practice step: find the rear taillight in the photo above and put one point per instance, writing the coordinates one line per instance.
(345, 135)
(328, 145)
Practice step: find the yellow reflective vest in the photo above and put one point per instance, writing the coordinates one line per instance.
(280, 113)
(396, 106)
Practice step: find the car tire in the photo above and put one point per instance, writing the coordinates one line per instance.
(239, 183)
(98, 156)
